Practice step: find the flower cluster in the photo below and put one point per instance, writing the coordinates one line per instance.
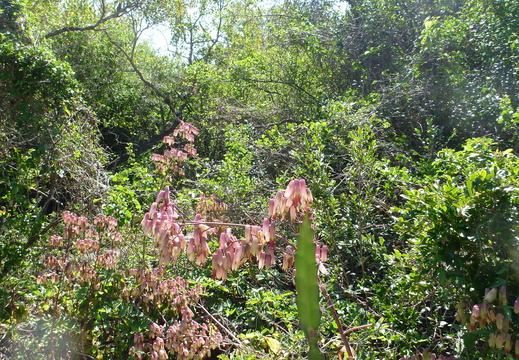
(172, 158)
(73, 224)
(104, 222)
(87, 248)
(87, 245)
(212, 210)
(321, 255)
(162, 222)
(228, 256)
(108, 259)
(259, 242)
(184, 337)
(186, 131)
(491, 314)
(56, 241)
(296, 199)
(153, 288)
(60, 269)
(198, 249)
(85, 239)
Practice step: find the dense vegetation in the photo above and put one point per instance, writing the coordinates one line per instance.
(135, 181)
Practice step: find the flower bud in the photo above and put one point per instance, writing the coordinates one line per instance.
(293, 214)
(500, 341)
(272, 231)
(219, 258)
(269, 260)
(236, 259)
(490, 295)
(492, 340)
(508, 343)
(191, 249)
(474, 317)
(288, 261)
(271, 207)
(245, 249)
(255, 249)
(502, 295)
(324, 253)
(483, 312)
(499, 321)
(261, 260)
(266, 229)
(227, 260)
(322, 269)
(491, 314)
(248, 236)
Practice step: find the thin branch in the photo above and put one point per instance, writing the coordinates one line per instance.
(166, 98)
(219, 324)
(216, 39)
(282, 82)
(138, 30)
(337, 321)
(357, 328)
(119, 11)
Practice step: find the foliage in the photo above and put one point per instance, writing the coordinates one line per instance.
(42, 129)
(379, 106)
(462, 222)
(84, 294)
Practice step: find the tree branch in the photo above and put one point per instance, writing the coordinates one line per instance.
(119, 11)
(167, 100)
(145, 146)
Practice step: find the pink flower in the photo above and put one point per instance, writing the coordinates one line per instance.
(169, 140)
(56, 241)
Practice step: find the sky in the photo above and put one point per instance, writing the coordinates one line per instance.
(159, 35)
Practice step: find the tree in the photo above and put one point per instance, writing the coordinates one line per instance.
(43, 127)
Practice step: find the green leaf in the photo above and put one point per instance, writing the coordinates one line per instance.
(273, 344)
(307, 286)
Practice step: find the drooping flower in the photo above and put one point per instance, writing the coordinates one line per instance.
(490, 295)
